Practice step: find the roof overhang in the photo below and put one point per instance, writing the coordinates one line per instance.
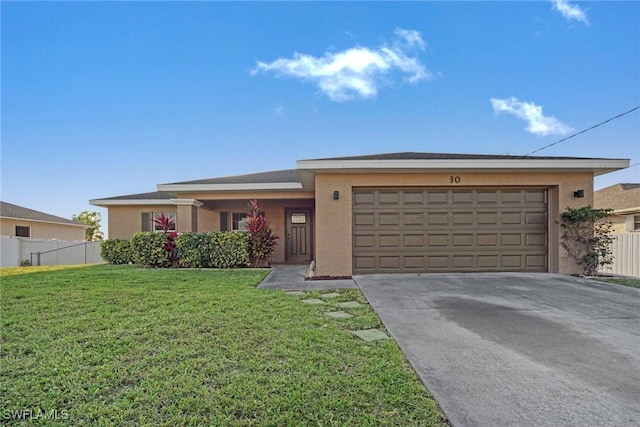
(597, 166)
(129, 202)
(626, 211)
(174, 188)
(187, 202)
(308, 168)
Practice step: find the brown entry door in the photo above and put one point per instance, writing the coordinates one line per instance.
(298, 235)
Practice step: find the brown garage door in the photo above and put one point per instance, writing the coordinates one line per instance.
(401, 230)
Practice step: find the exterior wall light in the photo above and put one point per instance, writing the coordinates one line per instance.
(578, 194)
(336, 195)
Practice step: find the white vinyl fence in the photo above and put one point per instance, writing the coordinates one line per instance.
(15, 250)
(626, 255)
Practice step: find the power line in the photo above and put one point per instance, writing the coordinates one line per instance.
(583, 131)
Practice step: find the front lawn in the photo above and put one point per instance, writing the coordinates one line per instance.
(626, 281)
(123, 345)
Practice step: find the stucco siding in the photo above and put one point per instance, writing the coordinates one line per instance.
(125, 221)
(274, 211)
(333, 228)
(42, 230)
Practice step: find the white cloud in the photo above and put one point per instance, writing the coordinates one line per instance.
(537, 123)
(357, 72)
(570, 11)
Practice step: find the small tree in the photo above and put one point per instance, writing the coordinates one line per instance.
(587, 237)
(92, 219)
(262, 241)
(166, 224)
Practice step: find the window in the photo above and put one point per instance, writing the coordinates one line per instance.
(636, 222)
(149, 225)
(172, 215)
(239, 222)
(23, 231)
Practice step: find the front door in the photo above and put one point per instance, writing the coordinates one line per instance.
(298, 235)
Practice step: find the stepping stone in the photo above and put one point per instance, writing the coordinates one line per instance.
(330, 295)
(371, 335)
(338, 314)
(298, 293)
(313, 301)
(350, 304)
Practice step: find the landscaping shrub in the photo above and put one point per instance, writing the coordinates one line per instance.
(230, 249)
(262, 241)
(168, 225)
(213, 250)
(149, 249)
(193, 249)
(116, 251)
(587, 237)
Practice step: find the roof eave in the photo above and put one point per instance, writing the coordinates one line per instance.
(275, 186)
(127, 202)
(597, 166)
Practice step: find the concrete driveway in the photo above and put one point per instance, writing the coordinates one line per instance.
(517, 349)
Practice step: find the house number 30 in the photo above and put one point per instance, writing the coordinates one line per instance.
(454, 179)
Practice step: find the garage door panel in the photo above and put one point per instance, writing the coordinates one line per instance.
(414, 198)
(462, 197)
(463, 240)
(535, 218)
(462, 218)
(414, 240)
(398, 230)
(364, 198)
(363, 219)
(538, 239)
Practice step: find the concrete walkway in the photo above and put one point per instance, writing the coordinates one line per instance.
(291, 278)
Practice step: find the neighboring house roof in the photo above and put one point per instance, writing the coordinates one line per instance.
(8, 210)
(624, 198)
(629, 186)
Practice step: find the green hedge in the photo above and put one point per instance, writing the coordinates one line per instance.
(116, 251)
(229, 249)
(213, 250)
(148, 249)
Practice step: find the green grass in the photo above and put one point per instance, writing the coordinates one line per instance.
(626, 281)
(106, 345)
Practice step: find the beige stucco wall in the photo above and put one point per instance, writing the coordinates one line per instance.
(124, 221)
(618, 223)
(274, 211)
(623, 223)
(333, 217)
(42, 230)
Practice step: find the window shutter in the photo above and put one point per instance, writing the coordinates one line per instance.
(224, 221)
(146, 221)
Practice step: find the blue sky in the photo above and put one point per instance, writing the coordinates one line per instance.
(109, 98)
